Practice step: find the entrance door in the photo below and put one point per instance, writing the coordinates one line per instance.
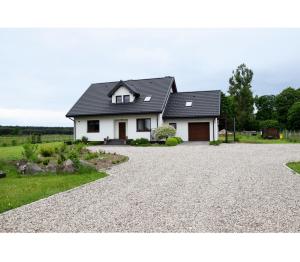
(199, 131)
(122, 130)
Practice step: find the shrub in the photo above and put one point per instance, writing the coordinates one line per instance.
(30, 152)
(269, 124)
(215, 143)
(179, 139)
(164, 131)
(47, 150)
(73, 155)
(171, 141)
(4, 144)
(140, 141)
(46, 162)
(84, 140)
(91, 155)
(13, 142)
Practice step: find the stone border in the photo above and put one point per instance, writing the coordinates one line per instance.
(293, 171)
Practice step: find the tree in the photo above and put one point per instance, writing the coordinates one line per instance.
(265, 107)
(240, 90)
(293, 117)
(284, 102)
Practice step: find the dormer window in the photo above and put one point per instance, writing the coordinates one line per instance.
(188, 103)
(147, 99)
(126, 99)
(119, 100)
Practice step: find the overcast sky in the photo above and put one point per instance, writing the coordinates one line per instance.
(44, 71)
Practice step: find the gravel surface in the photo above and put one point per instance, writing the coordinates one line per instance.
(189, 188)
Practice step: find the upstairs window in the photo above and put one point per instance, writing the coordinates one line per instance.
(93, 126)
(143, 125)
(147, 99)
(126, 99)
(188, 103)
(119, 100)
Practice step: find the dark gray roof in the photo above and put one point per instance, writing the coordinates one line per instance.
(205, 104)
(96, 100)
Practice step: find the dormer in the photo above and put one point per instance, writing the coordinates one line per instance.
(123, 93)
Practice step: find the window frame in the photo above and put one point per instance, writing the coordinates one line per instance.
(144, 125)
(87, 126)
(124, 99)
(174, 125)
(117, 100)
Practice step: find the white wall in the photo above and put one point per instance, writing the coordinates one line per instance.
(183, 130)
(109, 127)
(121, 92)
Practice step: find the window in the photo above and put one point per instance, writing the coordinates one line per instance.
(126, 99)
(173, 125)
(188, 103)
(147, 99)
(143, 125)
(93, 126)
(119, 99)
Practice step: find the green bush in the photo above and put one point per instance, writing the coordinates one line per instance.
(13, 142)
(74, 156)
(46, 161)
(179, 139)
(30, 152)
(91, 155)
(215, 143)
(140, 141)
(171, 141)
(269, 124)
(164, 131)
(4, 144)
(47, 150)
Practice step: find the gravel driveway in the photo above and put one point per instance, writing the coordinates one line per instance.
(189, 188)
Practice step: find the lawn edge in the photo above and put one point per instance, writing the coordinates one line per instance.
(41, 199)
(293, 171)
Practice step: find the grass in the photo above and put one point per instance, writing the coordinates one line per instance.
(19, 140)
(256, 139)
(17, 190)
(295, 166)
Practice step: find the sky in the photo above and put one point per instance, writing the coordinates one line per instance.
(43, 72)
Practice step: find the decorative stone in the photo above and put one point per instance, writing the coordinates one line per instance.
(32, 168)
(68, 166)
(2, 174)
(52, 168)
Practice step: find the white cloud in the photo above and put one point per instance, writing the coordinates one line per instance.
(33, 117)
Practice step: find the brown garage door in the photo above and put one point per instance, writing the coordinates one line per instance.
(199, 131)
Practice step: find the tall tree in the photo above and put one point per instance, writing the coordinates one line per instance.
(240, 90)
(284, 101)
(293, 117)
(265, 107)
(226, 111)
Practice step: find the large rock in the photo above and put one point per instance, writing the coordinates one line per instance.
(2, 174)
(52, 168)
(30, 168)
(68, 166)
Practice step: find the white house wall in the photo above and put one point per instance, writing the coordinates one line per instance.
(183, 129)
(109, 127)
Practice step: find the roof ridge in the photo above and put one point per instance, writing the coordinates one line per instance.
(198, 91)
(133, 80)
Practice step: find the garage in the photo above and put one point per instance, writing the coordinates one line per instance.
(199, 131)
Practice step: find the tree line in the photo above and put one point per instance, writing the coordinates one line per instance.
(29, 130)
(255, 112)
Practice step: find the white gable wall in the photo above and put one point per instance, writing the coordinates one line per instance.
(121, 92)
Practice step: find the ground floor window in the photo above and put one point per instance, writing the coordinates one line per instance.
(93, 126)
(143, 125)
(173, 125)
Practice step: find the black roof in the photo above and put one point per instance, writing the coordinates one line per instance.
(97, 101)
(204, 104)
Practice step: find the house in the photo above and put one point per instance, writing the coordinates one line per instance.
(134, 108)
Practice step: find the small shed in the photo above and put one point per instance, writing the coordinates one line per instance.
(270, 133)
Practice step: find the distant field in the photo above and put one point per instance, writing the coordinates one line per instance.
(19, 140)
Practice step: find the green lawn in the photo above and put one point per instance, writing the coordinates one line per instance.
(295, 166)
(17, 190)
(256, 139)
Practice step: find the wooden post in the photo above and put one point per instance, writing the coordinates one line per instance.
(226, 135)
(233, 129)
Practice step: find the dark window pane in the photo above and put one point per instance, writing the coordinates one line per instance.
(93, 126)
(173, 125)
(143, 125)
(118, 99)
(126, 98)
